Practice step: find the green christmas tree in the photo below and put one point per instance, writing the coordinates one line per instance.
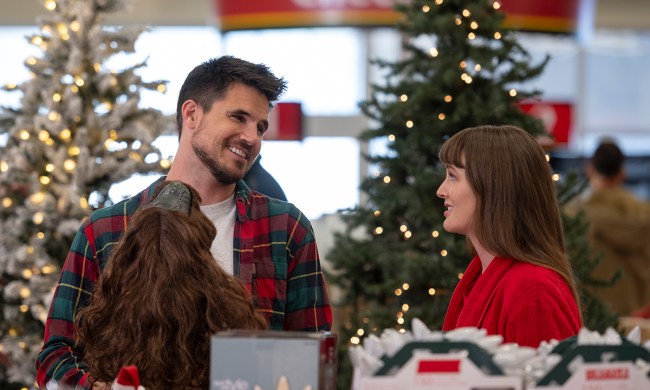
(395, 262)
(77, 131)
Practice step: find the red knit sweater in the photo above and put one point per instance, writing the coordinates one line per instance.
(522, 302)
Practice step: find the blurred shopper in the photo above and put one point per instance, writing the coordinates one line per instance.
(619, 231)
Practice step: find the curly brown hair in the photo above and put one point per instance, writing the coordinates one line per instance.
(159, 299)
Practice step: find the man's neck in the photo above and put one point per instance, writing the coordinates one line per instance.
(213, 192)
(210, 190)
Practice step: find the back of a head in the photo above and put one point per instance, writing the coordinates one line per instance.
(159, 299)
(608, 159)
(210, 81)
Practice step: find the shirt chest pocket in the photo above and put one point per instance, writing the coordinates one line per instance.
(267, 282)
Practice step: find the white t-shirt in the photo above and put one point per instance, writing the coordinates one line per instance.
(223, 216)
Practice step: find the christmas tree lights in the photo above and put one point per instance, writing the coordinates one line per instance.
(460, 68)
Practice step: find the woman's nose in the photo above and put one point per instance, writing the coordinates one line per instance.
(440, 192)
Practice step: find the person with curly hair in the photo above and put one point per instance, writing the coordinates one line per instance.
(161, 296)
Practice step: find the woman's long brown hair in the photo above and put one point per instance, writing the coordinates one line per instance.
(517, 211)
(158, 301)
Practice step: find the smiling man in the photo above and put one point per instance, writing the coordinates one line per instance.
(222, 115)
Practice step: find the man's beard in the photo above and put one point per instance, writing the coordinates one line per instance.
(222, 175)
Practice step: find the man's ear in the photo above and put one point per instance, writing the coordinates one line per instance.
(191, 113)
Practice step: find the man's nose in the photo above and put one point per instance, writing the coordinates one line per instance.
(249, 134)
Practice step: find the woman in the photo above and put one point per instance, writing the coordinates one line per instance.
(499, 193)
(160, 298)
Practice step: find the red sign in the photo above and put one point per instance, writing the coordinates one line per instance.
(542, 15)
(285, 123)
(257, 14)
(557, 118)
(438, 366)
(532, 15)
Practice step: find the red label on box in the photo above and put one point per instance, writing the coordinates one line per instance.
(438, 366)
(607, 373)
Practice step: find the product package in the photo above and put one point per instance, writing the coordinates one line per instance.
(273, 360)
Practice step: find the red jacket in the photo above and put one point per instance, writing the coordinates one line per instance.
(522, 302)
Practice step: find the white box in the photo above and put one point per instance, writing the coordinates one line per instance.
(241, 360)
(440, 371)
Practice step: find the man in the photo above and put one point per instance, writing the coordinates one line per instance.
(618, 230)
(222, 115)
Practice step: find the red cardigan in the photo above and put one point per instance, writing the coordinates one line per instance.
(522, 302)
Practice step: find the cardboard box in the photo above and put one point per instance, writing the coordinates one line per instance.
(242, 360)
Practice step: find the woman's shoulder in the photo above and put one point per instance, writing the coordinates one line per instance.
(526, 277)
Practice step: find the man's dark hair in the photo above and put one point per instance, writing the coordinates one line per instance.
(210, 81)
(608, 159)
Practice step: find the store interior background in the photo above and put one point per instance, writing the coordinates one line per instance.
(602, 71)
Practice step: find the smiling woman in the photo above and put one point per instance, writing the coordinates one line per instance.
(459, 200)
(499, 194)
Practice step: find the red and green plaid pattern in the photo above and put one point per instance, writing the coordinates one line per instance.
(275, 255)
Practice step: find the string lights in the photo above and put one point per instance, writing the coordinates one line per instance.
(50, 5)
(165, 163)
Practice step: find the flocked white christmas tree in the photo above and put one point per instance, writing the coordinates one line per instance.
(77, 130)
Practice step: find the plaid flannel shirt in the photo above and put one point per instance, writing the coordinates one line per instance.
(274, 254)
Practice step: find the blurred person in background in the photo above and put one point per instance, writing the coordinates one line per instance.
(619, 228)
